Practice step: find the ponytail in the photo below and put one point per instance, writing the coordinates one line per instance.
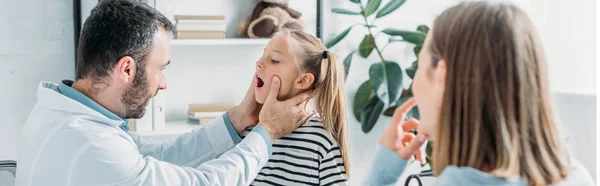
(331, 104)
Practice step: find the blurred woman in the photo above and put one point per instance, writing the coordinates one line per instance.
(483, 98)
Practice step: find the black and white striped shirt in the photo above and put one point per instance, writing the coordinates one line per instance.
(308, 156)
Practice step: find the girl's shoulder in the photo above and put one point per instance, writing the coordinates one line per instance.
(312, 134)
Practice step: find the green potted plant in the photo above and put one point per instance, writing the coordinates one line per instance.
(384, 86)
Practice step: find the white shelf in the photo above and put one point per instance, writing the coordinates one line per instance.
(209, 42)
(172, 128)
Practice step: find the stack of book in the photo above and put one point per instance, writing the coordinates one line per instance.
(200, 27)
(204, 113)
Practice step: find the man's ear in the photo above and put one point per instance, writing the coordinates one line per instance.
(305, 81)
(125, 69)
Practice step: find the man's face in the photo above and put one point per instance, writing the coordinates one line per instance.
(150, 79)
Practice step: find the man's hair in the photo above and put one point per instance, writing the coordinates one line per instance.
(115, 29)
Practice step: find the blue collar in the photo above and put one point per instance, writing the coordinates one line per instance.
(66, 89)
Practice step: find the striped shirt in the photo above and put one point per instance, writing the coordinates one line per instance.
(307, 156)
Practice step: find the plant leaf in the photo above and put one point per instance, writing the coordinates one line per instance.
(347, 63)
(386, 78)
(423, 28)
(393, 39)
(371, 113)
(409, 36)
(390, 110)
(389, 8)
(355, 1)
(413, 113)
(372, 6)
(398, 32)
(361, 98)
(410, 71)
(344, 11)
(366, 46)
(416, 39)
(338, 38)
(417, 49)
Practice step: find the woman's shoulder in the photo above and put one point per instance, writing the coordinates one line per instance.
(453, 175)
(579, 175)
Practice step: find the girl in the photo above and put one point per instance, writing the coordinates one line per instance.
(315, 153)
(483, 97)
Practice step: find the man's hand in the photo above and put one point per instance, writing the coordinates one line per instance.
(280, 118)
(246, 114)
(398, 137)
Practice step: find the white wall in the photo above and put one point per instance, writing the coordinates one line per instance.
(37, 45)
(568, 35)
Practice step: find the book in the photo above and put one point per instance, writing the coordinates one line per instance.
(205, 120)
(131, 123)
(199, 107)
(200, 21)
(205, 114)
(200, 121)
(200, 17)
(200, 35)
(201, 27)
(144, 124)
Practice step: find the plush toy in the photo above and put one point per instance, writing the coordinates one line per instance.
(268, 17)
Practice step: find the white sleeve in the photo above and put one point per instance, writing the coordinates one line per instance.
(115, 161)
(189, 149)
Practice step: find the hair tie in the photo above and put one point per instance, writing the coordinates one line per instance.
(325, 54)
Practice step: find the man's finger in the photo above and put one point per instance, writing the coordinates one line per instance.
(254, 84)
(274, 91)
(300, 98)
(302, 120)
(402, 110)
(413, 146)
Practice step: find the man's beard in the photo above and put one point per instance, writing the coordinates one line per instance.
(136, 96)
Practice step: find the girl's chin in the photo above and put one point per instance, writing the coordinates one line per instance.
(258, 100)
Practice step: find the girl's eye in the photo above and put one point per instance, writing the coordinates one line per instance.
(274, 61)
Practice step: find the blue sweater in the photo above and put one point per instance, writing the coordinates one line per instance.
(388, 166)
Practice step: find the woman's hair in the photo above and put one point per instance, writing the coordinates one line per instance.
(496, 114)
(328, 86)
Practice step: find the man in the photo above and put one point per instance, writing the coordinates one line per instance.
(75, 134)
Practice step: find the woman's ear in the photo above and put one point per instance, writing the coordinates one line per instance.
(440, 73)
(305, 81)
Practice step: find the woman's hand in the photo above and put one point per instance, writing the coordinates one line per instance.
(398, 137)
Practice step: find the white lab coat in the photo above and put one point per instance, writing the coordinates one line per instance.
(67, 143)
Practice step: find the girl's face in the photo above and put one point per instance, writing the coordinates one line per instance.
(278, 60)
(428, 88)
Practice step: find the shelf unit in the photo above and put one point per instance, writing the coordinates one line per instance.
(193, 55)
(212, 42)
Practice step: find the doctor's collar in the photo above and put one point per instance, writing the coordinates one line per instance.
(66, 89)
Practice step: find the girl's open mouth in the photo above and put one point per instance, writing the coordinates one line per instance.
(259, 81)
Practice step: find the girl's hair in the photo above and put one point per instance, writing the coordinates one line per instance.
(328, 85)
(496, 114)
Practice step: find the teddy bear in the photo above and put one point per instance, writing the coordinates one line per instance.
(268, 17)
